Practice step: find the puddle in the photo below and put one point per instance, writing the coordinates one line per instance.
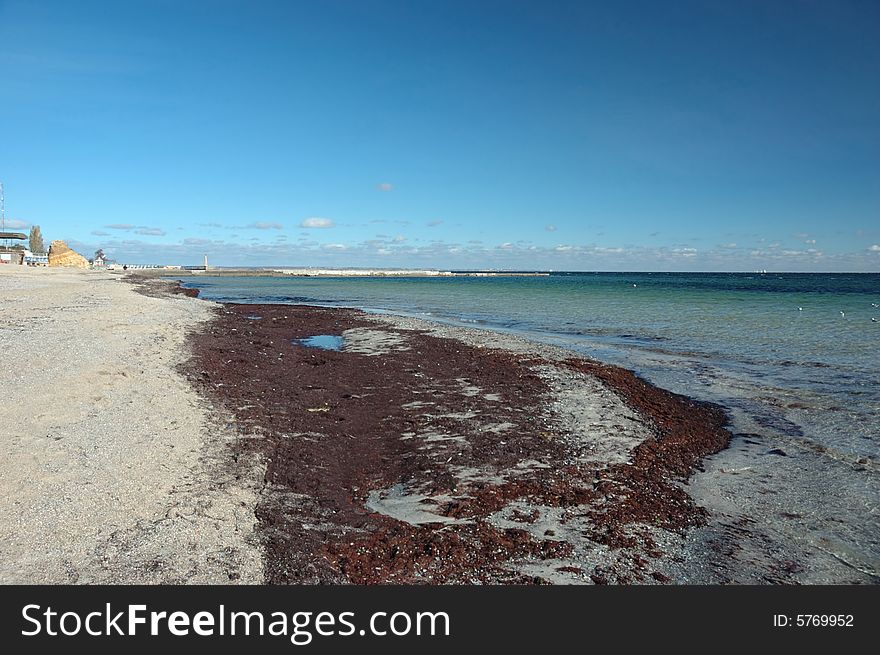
(253, 317)
(322, 341)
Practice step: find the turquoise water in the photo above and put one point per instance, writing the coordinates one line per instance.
(794, 358)
(323, 342)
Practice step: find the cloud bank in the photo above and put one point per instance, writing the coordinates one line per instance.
(398, 251)
(316, 223)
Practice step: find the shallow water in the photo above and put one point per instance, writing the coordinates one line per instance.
(322, 341)
(794, 359)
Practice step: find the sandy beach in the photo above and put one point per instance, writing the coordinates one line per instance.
(113, 470)
(153, 437)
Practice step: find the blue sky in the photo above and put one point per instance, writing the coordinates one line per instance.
(563, 135)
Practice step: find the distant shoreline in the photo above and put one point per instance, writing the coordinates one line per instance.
(324, 272)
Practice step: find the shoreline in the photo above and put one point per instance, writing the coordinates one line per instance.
(422, 453)
(437, 497)
(780, 499)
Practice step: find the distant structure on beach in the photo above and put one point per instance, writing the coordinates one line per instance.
(35, 259)
(13, 254)
(8, 255)
(16, 254)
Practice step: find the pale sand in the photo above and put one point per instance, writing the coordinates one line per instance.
(111, 467)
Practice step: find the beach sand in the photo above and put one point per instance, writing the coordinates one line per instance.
(113, 470)
(153, 437)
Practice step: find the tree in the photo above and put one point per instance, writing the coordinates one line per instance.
(36, 241)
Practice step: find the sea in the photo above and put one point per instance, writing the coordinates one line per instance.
(793, 358)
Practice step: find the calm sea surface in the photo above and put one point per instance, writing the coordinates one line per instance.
(794, 358)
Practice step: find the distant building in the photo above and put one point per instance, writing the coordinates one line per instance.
(11, 256)
(30, 259)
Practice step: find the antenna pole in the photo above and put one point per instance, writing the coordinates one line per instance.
(3, 214)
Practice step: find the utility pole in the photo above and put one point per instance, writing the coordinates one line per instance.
(3, 214)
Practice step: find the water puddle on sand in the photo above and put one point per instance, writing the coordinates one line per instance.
(322, 341)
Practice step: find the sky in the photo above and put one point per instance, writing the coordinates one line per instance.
(687, 135)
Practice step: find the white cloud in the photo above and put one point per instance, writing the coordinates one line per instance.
(399, 239)
(150, 231)
(385, 186)
(143, 230)
(874, 248)
(100, 233)
(550, 228)
(383, 220)
(316, 222)
(335, 246)
(13, 224)
(434, 223)
(265, 225)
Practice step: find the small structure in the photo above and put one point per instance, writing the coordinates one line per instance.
(12, 255)
(31, 259)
